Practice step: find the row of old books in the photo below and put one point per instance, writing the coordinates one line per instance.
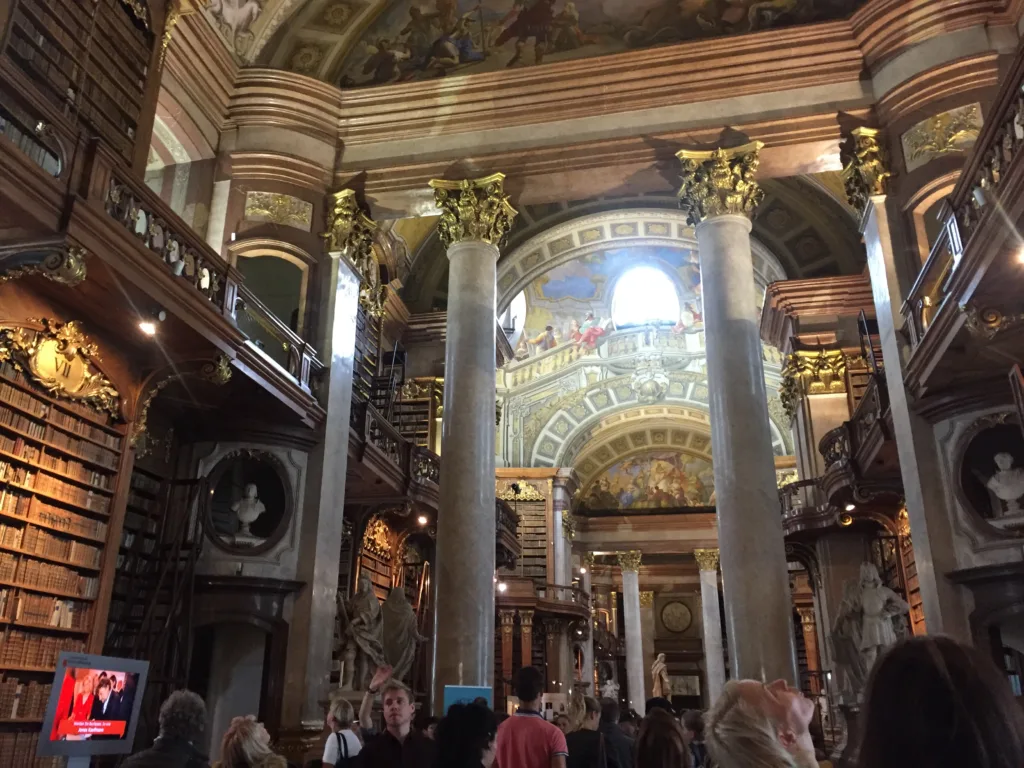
(72, 494)
(8, 371)
(23, 400)
(18, 750)
(36, 430)
(38, 541)
(74, 470)
(64, 520)
(61, 613)
(28, 649)
(22, 701)
(34, 573)
(84, 429)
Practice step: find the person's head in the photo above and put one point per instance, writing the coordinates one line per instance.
(658, 702)
(563, 722)
(182, 716)
(956, 709)
(429, 727)
(396, 700)
(628, 723)
(529, 685)
(661, 743)
(591, 714)
(103, 689)
(693, 725)
(340, 715)
(245, 744)
(465, 737)
(609, 711)
(757, 724)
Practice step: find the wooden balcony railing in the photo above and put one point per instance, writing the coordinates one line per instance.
(800, 495)
(269, 333)
(564, 594)
(975, 199)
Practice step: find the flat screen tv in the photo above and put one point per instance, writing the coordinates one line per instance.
(94, 706)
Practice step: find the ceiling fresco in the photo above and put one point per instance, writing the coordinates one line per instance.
(421, 39)
(571, 303)
(652, 480)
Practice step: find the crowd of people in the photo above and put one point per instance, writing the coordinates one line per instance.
(930, 702)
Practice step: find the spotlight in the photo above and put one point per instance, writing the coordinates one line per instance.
(502, 586)
(850, 507)
(1020, 254)
(582, 569)
(148, 327)
(422, 519)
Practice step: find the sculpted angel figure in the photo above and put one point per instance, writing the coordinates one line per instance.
(360, 632)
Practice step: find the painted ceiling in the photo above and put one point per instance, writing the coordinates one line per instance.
(371, 42)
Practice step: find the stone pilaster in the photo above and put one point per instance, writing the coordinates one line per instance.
(719, 194)
(714, 649)
(629, 562)
(475, 217)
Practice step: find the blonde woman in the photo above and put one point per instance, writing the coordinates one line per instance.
(247, 745)
(343, 744)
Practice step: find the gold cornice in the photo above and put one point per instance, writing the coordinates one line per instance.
(630, 561)
(719, 182)
(707, 559)
(527, 491)
(473, 209)
(646, 598)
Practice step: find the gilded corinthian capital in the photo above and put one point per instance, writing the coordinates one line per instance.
(707, 559)
(719, 182)
(351, 232)
(629, 561)
(473, 209)
(865, 166)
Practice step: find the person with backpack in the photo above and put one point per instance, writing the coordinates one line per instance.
(342, 746)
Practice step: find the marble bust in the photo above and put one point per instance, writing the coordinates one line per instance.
(1007, 483)
(248, 509)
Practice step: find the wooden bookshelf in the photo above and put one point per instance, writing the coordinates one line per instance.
(58, 481)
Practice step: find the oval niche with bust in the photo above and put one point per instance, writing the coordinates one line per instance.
(250, 504)
(991, 477)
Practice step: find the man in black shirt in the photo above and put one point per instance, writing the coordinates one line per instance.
(617, 744)
(398, 746)
(586, 746)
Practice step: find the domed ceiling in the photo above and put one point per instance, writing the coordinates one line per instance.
(372, 42)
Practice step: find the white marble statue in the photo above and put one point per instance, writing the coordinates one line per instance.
(610, 690)
(360, 625)
(879, 605)
(661, 686)
(1007, 484)
(247, 510)
(846, 634)
(400, 633)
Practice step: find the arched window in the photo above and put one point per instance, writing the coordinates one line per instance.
(645, 295)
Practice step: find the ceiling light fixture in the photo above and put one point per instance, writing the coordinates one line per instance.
(148, 327)
(850, 507)
(422, 519)
(582, 569)
(502, 586)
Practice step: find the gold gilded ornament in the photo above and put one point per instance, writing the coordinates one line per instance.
(865, 167)
(811, 372)
(63, 265)
(506, 490)
(60, 358)
(719, 182)
(473, 209)
(629, 561)
(646, 599)
(351, 232)
(707, 559)
(568, 525)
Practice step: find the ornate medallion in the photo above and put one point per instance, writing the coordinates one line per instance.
(676, 617)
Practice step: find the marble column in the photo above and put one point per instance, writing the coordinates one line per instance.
(920, 463)
(525, 638)
(629, 562)
(311, 626)
(475, 217)
(507, 618)
(589, 675)
(714, 652)
(719, 196)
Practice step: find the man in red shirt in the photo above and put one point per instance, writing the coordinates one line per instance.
(527, 740)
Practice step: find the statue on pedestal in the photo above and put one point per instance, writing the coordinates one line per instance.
(360, 632)
(610, 690)
(1007, 484)
(248, 509)
(662, 686)
(401, 636)
(846, 634)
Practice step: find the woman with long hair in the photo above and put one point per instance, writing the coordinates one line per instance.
(661, 742)
(932, 702)
(465, 737)
(247, 745)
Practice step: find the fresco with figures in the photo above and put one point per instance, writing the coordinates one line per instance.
(659, 479)
(571, 305)
(421, 39)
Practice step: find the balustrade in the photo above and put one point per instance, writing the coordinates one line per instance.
(269, 333)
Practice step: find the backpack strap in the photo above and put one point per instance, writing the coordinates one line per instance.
(342, 745)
